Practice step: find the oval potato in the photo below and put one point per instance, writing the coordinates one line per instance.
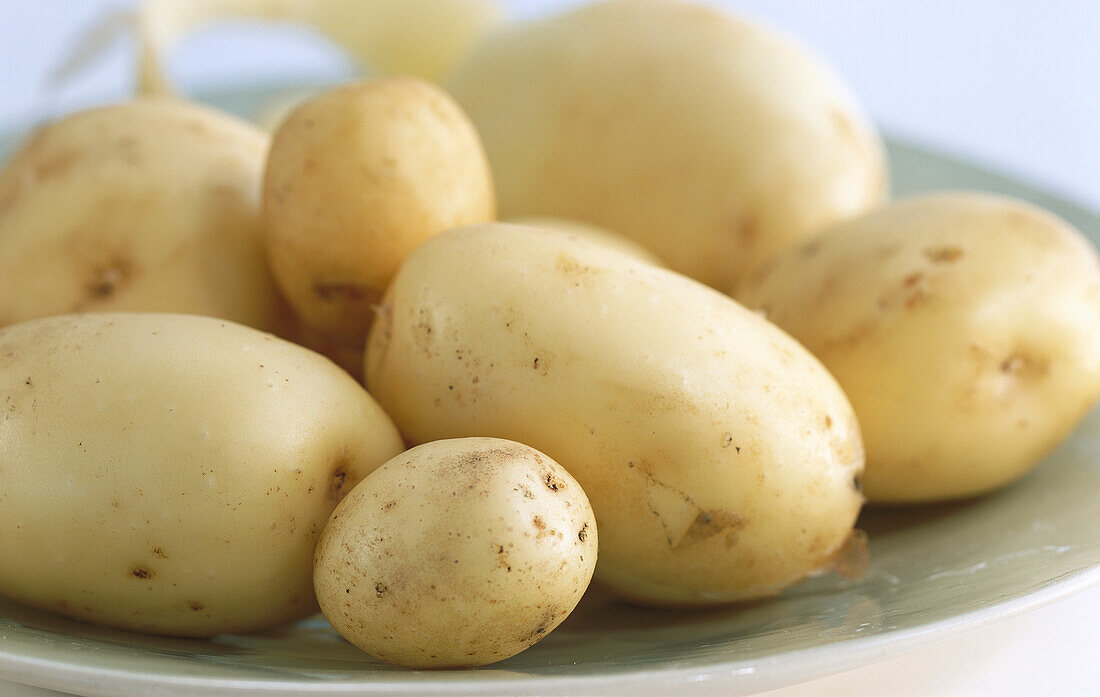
(719, 456)
(456, 553)
(151, 205)
(171, 473)
(710, 140)
(964, 327)
(356, 179)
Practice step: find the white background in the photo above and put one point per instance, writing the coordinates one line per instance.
(1011, 83)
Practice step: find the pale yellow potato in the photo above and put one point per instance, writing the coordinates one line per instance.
(456, 553)
(719, 456)
(964, 327)
(713, 141)
(150, 205)
(595, 233)
(171, 473)
(356, 179)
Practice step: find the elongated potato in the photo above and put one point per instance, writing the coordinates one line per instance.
(150, 205)
(964, 327)
(171, 473)
(720, 458)
(712, 141)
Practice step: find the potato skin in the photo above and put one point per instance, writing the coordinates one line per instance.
(357, 178)
(150, 205)
(964, 327)
(718, 455)
(171, 474)
(712, 141)
(456, 553)
(594, 233)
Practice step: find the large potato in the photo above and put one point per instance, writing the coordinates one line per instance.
(172, 473)
(719, 456)
(150, 205)
(712, 141)
(356, 179)
(965, 328)
(456, 553)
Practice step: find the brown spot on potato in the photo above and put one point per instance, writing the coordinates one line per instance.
(106, 279)
(582, 534)
(195, 606)
(569, 266)
(141, 572)
(912, 279)
(709, 523)
(746, 229)
(159, 553)
(502, 559)
(1025, 366)
(549, 616)
(339, 479)
(380, 589)
(57, 165)
(553, 483)
(915, 298)
(943, 255)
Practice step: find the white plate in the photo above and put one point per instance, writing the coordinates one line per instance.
(935, 571)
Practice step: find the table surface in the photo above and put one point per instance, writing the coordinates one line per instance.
(1008, 83)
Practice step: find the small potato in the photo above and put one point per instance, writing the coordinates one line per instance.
(356, 179)
(595, 233)
(721, 459)
(456, 553)
(171, 473)
(711, 140)
(964, 327)
(151, 205)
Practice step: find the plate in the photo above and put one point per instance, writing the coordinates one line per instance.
(935, 571)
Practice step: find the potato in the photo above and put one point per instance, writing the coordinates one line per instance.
(150, 205)
(712, 141)
(719, 456)
(594, 233)
(171, 473)
(456, 553)
(356, 179)
(964, 327)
